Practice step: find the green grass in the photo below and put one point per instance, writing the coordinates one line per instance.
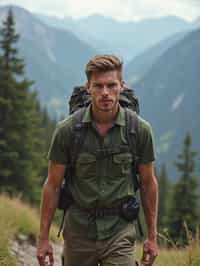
(188, 256)
(171, 257)
(15, 218)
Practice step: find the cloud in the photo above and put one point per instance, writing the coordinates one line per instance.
(155, 8)
(120, 9)
(59, 7)
(192, 1)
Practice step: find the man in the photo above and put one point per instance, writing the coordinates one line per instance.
(100, 182)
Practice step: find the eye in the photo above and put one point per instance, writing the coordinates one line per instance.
(111, 85)
(97, 86)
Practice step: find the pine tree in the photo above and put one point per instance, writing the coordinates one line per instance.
(184, 204)
(21, 146)
(164, 194)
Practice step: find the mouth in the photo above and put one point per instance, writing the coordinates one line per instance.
(106, 101)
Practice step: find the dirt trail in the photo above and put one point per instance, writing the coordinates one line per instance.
(26, 252)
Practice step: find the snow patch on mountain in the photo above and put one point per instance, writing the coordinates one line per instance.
(177, 102)
(51, 55)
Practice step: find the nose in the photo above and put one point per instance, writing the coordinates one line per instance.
(105, 90)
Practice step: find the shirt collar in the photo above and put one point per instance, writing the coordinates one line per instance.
(120, 119)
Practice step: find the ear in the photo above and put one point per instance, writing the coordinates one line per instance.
(122, 83)
(87, 86)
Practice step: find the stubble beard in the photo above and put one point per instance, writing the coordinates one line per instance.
(107, 108)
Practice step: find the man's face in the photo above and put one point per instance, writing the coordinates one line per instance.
(105, 89)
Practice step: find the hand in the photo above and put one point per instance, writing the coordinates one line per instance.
(44, 253)
(150, 252)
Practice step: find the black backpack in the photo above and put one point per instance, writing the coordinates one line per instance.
(79, 100)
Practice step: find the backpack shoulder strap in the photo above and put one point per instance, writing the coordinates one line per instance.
(132, 125)
(78, 134)
(132, 136)
(76, 141)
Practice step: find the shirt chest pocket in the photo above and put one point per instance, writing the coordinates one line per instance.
(86, 165)
(122, 163)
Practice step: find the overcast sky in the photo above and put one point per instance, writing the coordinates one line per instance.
(119, 9)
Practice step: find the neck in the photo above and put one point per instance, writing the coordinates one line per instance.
(106, 117)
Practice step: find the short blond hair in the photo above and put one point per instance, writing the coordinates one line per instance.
(103, 63)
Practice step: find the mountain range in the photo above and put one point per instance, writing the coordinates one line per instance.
(125, 39)
(135, 70)
(169, 94)
(163, 67)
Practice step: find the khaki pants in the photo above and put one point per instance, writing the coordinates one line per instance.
(115, 251)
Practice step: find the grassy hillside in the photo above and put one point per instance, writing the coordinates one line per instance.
(17, 218)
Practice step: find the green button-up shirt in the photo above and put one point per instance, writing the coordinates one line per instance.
(100, 181)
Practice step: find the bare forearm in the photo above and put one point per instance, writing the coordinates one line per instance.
(149, 196)
(48, 205)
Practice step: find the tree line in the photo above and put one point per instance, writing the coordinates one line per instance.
(178, 208)
(25, 127)
(25, 132)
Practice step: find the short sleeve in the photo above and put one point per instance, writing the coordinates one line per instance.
(146, 149)
(58, 151)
